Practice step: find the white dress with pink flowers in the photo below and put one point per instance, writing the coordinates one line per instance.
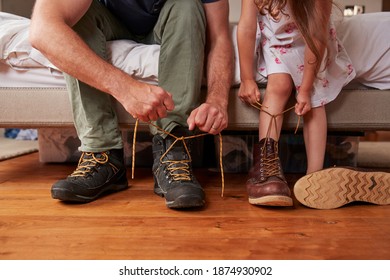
(282, 51)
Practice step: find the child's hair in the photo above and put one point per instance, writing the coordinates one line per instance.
(307, 18)
(272, 7)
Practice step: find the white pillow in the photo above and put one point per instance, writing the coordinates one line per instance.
(136, 59)
(15, 48)
(366, 38)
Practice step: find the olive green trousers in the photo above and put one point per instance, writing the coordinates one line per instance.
(180, 32)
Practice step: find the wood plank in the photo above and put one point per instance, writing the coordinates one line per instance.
(135, 224)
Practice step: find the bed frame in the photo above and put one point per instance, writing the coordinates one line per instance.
(354, 110)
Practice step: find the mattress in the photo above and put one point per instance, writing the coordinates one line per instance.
(35, 77)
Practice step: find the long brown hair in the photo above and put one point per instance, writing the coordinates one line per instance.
(307, 18)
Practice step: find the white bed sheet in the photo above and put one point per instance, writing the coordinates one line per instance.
(37, 77)
(366, 38)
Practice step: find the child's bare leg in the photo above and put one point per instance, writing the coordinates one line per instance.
(278, 91)
(331, 188)
(266, 184)
(315, 133)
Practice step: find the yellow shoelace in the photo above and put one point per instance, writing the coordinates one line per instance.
(178, 165)
(184, 168)
(85, 165)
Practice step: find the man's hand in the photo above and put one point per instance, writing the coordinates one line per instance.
(210, 118)
(147, 102)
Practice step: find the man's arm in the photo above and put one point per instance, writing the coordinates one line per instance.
(212, 116)
(52, 34)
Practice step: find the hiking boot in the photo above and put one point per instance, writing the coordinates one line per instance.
(266, 184)
(334, 187)
(95, 175)
(172, 170)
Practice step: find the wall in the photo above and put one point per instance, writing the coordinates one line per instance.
(235, 10)
(23, 7)
(371, 6)
(19, 7)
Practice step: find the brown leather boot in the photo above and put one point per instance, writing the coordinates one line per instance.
(266, 184)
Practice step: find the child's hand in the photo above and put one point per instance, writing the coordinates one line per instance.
(303, 104)
(249, 92)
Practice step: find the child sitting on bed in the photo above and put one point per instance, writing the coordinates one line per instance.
(300, 51)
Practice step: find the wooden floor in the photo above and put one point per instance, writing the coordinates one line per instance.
(135, 224)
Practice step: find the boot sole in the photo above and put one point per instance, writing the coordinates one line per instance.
(68, 196)
(334, 187)
(272, 200)
(183, 201)
(186, 201)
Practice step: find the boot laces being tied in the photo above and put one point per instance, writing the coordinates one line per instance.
(259, 106)
(267, 184)
(179, 169)
(271, 161)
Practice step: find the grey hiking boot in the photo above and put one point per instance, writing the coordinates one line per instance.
(173, 174)
(96, 174)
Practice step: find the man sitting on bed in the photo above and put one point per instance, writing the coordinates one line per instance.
(73, 35)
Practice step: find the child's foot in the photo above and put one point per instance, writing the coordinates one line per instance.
(267, 185)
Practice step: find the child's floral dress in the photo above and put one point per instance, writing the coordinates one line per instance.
(281, 50)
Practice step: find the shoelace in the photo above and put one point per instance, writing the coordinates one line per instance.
(271, 166)
(178, 165)
(259, 107)
(88, 161)
(272, 163)
(185, 169)
(178, 169)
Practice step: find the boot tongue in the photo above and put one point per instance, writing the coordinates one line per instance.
(177, 151)
(269, 146)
